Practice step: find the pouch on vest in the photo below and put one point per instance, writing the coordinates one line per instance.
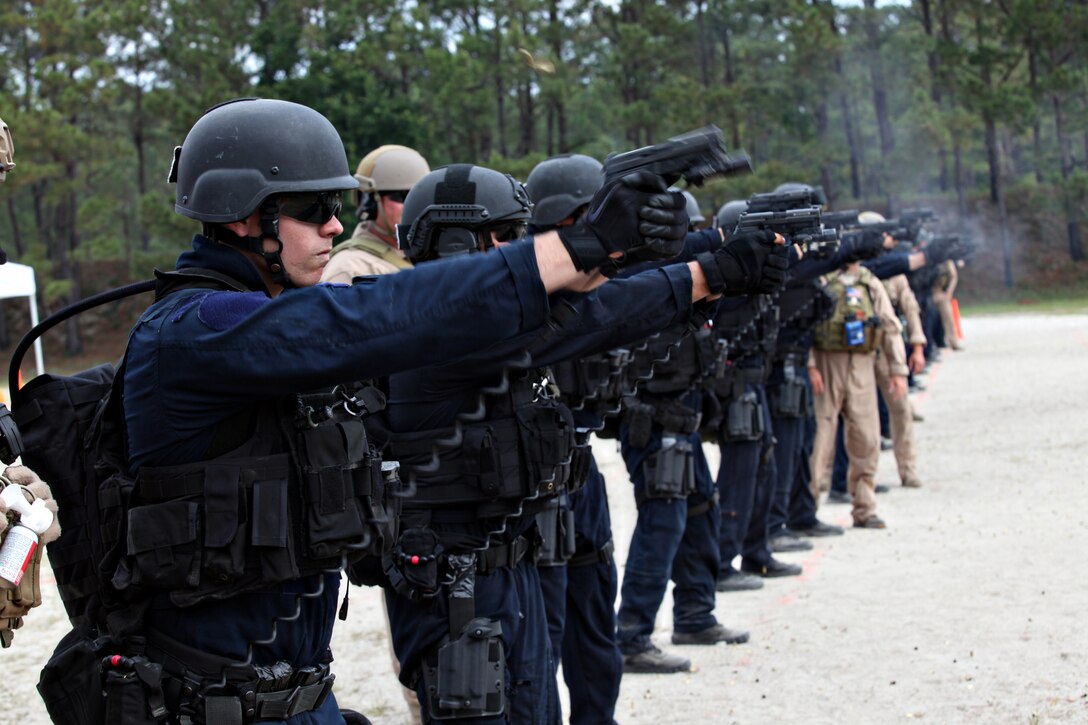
(854, 330)
(580, 458)
(344, 506)
(466, 677)
(555, 525)
(743, 419)
(547, 440)
(209, 529)
(789, 399)
(670, 472)
(640, 422)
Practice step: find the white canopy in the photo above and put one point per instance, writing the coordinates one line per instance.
(17, 280)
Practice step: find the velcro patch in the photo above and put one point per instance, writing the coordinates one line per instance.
(223, 310)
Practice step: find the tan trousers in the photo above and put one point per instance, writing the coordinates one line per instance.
(902, 420)
(849, 389)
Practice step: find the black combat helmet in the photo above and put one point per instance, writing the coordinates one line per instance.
(241, 152)
(728, 216)
(818, 195)
(448, 211)
(559, 186)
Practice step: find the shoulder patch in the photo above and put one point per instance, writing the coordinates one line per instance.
(223, 310)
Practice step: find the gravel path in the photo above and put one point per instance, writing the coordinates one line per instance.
(969, 608)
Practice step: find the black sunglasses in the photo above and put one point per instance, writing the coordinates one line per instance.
(509, 232)
(397, 196)
(316, 208)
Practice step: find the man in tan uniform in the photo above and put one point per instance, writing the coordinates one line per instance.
(899, 410)
(944, 287)
(841, 368)
(7, 151)
(385, 175)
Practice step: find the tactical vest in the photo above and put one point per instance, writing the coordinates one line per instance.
(376, 248)
(524, 448)
(801, 309)
(854, 325)
(666, 365)
(595, 384)
(303, 493)
(292, 488)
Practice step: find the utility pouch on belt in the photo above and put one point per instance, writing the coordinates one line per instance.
(71, 682)
(789, 399)
(556, 527)
(670, 473)
(412, 567)
(640, 422)
(466, 677)
(744, 418)
(134, 691)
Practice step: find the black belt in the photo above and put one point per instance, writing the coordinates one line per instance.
(505, 555)
(602, 555)
(250, 694)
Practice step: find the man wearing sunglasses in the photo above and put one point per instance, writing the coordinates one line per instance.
(385, 176)
(242, 491)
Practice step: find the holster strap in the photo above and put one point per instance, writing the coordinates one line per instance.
(701, 508)
(602, 555)
(506, 555)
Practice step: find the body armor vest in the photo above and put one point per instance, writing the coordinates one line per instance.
(303, 494)
(688, 361)
(595, 384)
(801, 309)
(854, 325)
(524, 448)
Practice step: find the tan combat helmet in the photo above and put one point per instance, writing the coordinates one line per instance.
(7, 151)
(389, 168)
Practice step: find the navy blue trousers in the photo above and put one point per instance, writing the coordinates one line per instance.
(668, 544)
(746, 484)
(802, 512)
(512, 596)
(580, 602)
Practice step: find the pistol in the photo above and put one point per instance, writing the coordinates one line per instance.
(695, 156)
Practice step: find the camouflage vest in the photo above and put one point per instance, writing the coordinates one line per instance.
(853, 305)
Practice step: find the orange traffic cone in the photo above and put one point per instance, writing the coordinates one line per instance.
(956, 318)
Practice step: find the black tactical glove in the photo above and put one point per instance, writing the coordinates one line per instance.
(746, 264)
(940, 250)
(635, 215)
(860, 245)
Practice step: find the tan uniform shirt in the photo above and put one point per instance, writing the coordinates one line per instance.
(903, 299)
(363, 255)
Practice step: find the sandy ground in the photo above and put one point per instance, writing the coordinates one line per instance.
(969, 608)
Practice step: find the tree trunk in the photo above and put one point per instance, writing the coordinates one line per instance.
(16, 233)
(500, 94)
(822, 133)
(853, 143)
(934, 88)
(1037, 126)
(880, 100)
(1076, 247)
(704, 53)
(730, 79)
(526, 137)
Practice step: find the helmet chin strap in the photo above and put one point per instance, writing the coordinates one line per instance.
(270, 229)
